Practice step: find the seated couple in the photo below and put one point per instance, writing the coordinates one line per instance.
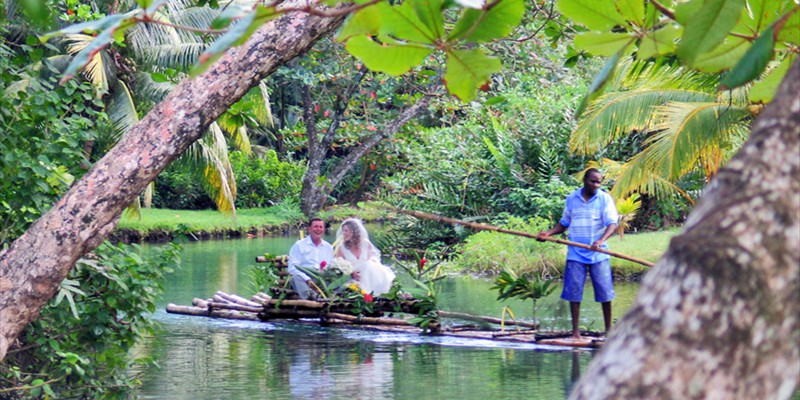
(352, 244)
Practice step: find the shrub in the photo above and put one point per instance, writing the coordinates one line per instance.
(489, 252)
(264, 181)
(79, 346)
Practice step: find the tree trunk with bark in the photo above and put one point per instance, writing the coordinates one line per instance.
(717, 318)
(32, 268)
(315, 190)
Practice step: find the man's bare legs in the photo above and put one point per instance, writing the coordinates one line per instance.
(575, 312)
(607, 316)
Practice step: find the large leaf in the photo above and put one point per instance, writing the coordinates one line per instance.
(764, 90)
(393, 59)
(632, 10)
(484, 26)
(430, 13)
(599, 15)
(602, 43)
(402, 22)
(468, 70)
(364, 21)
(790, 31)
(659, 42)
(708, 27)
(725, 56)
(752, 63)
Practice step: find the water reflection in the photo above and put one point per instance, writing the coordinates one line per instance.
(205, 358)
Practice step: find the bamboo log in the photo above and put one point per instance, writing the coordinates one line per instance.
(369, 320)
(197, 311)
(261, 298)
(491, 320)
(486, 227)
(197, 302)
(218, 299)
(186, 310)
(297, 303)
(235, 299)
(236, 307)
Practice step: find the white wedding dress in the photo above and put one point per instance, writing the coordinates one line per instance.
(376, 278)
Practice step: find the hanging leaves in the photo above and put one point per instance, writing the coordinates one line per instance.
(396, 38)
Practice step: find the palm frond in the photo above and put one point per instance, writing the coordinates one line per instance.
(635, 176)
(121, 110)
(175, 55)
(208, 158)
(100, 70)
(620, 113)
(689, 131)
(265, 117)
(149, 89)
(627, 105)
(147, 196)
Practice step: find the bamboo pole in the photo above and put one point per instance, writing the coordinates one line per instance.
(491, 320)
(485, 227)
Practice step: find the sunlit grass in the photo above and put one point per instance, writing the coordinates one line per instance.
(648, 246)
(206, 220)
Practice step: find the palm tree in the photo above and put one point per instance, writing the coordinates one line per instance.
(130, 79)
(686, 125)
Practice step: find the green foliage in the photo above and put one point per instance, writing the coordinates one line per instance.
(489, 252)
(80, 348)
(394, 38)
(43, 128)
(263, 276)
(627, 209)
(509, 285)
(265, 180)
(711, 35)
(177, 189)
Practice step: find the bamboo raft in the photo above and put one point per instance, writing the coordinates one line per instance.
(387, 315)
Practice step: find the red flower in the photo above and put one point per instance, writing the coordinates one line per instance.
(368, 298)
(422, 263)
(322, 265)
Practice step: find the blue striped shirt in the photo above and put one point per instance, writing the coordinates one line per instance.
(586, 221)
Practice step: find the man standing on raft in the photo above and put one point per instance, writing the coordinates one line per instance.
(591, 217)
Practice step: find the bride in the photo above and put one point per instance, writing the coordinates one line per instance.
(354, 246)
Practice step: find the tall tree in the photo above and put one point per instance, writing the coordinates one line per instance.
(34, 265)
(718, 315)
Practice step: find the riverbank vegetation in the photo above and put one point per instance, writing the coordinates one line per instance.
(313, 133)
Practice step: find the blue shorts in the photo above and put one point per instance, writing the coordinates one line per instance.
(575, 278)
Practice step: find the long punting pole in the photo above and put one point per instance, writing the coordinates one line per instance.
(485, 227)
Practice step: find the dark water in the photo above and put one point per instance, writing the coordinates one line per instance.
(204, 358)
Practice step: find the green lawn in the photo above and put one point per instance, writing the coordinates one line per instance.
(204, 220)
(210, 220)
(647, 246)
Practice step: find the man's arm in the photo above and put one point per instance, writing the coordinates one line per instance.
(295, 258)
(610, 229)
(552, 231)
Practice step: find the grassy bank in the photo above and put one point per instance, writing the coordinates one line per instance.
(161, 224)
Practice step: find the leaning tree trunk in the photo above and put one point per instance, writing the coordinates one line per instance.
(32, 268)
(717, 318)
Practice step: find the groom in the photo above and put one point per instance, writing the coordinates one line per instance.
(310, 251)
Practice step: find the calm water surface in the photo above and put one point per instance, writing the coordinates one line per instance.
(203, 358)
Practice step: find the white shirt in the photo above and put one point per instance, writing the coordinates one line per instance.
(305, 254)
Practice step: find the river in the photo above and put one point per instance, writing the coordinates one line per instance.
(202, 358)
